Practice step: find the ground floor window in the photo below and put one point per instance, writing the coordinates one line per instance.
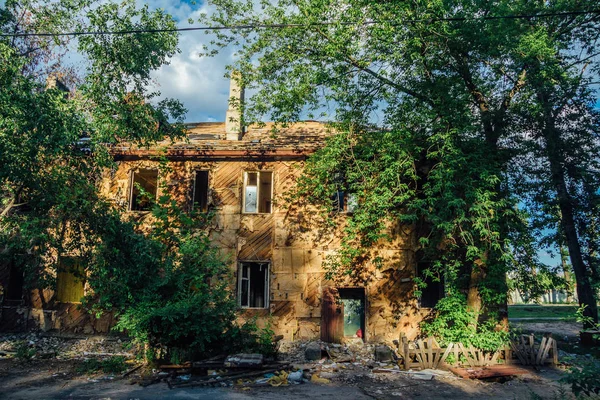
(253, 284)
(70, 281)
(434, 289)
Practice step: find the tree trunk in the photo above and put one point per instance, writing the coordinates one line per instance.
(585, 292)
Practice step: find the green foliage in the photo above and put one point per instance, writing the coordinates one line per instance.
(249, 338)
(24, 351)
(458, 156)
(452, 322)
(111, 365)
(584, 377)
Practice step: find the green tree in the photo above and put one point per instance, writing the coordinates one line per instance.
(54, 145)
(443, 80)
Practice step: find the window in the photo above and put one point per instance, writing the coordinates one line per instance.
(258, 189)
(14, 289)
(70, 281)
(253, 285)
(344, 202)
(434, 291)
(143, 189)
(200, 192)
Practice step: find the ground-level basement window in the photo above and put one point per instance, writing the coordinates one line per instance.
(144, 186)
(434, 291)
(253, 284)
(70, 281)
(258, 191)
(200, 192)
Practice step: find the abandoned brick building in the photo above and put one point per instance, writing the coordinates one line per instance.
(242, 175)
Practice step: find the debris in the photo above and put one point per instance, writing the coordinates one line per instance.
(318, 379)
(312, 351)
(383, 353)
(244, 361)
(132, 370)
(495, 371)
(422, 375)
(295, 376)
(280, 379)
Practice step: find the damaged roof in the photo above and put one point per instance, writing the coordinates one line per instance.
(208, 140)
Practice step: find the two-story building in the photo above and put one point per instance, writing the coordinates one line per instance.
(276, 251)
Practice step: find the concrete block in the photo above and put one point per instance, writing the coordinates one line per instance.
(312, 351)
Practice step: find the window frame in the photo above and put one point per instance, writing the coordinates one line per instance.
(68, 267)
(245, 185)
(132, 187)
(194, 190)
(241, 278)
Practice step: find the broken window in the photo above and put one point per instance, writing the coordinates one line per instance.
(253, 284)
(200, 192)
(144, 184)
(258, 190)
(434, 291)
(70, 281)
(344, 202)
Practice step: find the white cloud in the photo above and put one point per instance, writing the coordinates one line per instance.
(198, 82)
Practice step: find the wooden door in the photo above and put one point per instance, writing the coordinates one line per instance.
(332, 316)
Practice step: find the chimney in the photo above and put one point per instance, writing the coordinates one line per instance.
(233, 118)
(54, 82)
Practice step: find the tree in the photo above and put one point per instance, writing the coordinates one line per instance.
(54, 145)
(444, 81)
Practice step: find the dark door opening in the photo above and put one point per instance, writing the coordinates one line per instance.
(342, 314)
(353, 306)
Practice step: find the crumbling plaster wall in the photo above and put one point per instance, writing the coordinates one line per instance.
(296, 254)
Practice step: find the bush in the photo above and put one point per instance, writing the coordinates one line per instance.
(584, 377)
(451, 322)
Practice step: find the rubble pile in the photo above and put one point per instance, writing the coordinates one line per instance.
(42, 345)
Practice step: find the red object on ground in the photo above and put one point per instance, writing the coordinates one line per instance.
(359, 333)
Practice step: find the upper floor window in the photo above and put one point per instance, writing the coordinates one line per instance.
(258, 191)
(144, 186)
(344, 202)
(200, 192)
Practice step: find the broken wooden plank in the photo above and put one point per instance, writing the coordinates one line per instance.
(495, 371)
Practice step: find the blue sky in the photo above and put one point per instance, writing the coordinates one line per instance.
(198, 82)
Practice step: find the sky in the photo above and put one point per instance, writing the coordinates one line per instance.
(198, 82)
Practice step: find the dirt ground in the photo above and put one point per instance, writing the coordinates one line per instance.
(59, 379)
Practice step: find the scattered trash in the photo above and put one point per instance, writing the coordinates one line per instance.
(318, 379)
(280, 379)
(295, 376)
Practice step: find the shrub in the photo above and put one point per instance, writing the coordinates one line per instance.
(451, 321)
(584, 377)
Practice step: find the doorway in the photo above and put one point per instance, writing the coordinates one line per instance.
(342, 314)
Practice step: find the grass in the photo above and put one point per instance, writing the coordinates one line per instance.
(565, 312)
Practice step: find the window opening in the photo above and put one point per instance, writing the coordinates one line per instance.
(143, 189)
(434, 291)
(200, 193)
(253, 290)
(258, 191)
(70, 281)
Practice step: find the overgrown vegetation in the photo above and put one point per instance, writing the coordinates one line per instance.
(477, 135)
(111, 365)
(168, 286)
